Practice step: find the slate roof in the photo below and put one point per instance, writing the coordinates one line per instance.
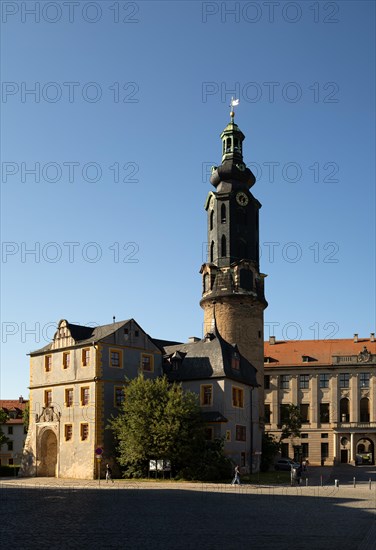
(213, 416)
(319, 352)
(210, 357)
(162, 344)
(83, 335)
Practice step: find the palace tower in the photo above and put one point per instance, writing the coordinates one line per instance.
(233, 287)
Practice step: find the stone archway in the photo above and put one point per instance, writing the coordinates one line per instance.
(48, 454)
(365, 451)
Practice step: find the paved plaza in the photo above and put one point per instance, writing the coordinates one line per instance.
(49, 513)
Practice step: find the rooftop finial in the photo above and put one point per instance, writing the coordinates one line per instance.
(234, 103)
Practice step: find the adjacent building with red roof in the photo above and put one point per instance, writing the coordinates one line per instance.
(13, 429)
(333, 382)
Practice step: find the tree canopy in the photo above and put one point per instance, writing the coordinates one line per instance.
(3, 419)
(159, 420)
(291, 421)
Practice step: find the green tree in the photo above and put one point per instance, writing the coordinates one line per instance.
(270, 448)
(291, 421)
(26, 416)
(158, 420)
(3, 419)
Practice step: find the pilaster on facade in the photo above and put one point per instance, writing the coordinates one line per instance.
(334, 400)
(294, 388)
(372, 397)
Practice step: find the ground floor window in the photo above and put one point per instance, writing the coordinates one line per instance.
(240, 433)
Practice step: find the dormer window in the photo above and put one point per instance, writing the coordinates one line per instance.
(235, 361)
(305, 358)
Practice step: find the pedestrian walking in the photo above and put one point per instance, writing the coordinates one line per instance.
(236, 479)
(294, 476)
(108, 473)
(299, 474)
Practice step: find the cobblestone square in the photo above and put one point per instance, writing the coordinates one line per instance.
(48, 513)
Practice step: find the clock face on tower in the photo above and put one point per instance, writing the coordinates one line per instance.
(241, 198)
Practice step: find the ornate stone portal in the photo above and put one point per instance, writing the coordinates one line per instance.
(47, 436)
(40, 455)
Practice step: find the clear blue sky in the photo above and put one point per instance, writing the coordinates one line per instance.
(140, 91)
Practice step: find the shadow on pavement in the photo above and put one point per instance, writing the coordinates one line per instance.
(204, 518)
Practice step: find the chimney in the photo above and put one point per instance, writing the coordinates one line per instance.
(193, 339)
(372, 337)
(355, 338)
(20, 399)
(272, 340)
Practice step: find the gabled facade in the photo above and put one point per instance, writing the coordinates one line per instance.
(334, 384)
(76, 384)
(14, 430)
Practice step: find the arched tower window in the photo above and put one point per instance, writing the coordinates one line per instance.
(228, 144)
(223, 246)
(223, 213)
(211, 223)
(212, 251)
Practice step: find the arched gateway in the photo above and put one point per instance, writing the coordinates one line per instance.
(47, 456)
(365, 451)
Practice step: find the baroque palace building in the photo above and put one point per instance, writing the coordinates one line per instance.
(334, 384)
(76, 381)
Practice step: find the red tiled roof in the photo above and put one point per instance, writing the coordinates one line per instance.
(13, 404)
(320, 352)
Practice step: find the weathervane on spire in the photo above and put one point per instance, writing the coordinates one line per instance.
(234, 103)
